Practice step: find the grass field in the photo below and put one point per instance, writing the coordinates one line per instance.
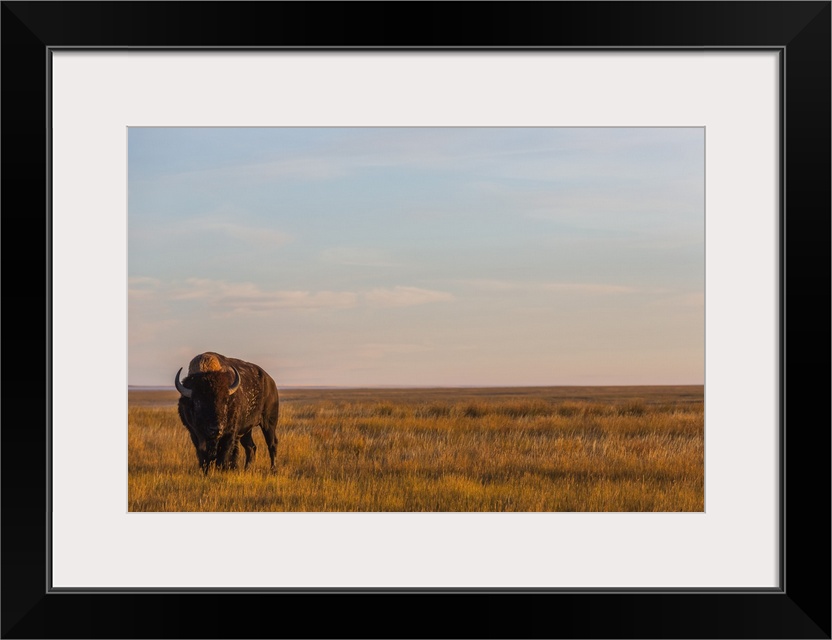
(512, 449)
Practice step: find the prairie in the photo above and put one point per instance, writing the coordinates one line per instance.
(538, 449)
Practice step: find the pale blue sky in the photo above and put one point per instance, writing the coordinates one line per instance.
(419, 256)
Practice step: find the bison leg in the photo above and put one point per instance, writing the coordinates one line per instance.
(204, 457)
(250, 448)
(271, 443)
(269, 425)
(228, 453)
(234, 456)
(201, 455)
(195, 440)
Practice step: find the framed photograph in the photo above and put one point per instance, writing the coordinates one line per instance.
(536, 198)
(482, 319)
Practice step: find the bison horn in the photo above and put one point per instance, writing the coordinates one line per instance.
(182, 388)
(236, 384)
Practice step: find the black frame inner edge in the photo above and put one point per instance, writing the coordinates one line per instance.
(459, 590)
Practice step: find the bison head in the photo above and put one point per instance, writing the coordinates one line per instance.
(208, 407)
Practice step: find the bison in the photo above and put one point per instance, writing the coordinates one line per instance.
(221, 401)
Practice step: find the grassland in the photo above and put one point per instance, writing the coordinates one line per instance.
(463, 450)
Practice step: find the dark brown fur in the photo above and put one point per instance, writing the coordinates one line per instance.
(219, 423)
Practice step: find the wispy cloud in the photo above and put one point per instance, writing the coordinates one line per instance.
(584, 205)
(297, 168)
(236, 297)
(247, 297)
(404, 296)
(591, 288)
(148, 332)
(141, 287)
(357, 257)
(252, 235)
(693, 300)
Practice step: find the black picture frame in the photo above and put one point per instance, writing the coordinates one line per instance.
(799, 608)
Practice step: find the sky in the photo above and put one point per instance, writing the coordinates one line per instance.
(419, 256)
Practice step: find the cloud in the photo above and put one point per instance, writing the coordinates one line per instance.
(581, 287)
(267, 301)
(404, 296)
(614, 204)
(142, 287)
(247, 297)
(357, 257)
(208, 229)
(252, 235)
(311, 167)
(589, 288)
(148, 332)
(297, 168)
(239, 297)
(694, 300)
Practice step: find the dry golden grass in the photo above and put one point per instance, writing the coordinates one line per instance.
(534, 449)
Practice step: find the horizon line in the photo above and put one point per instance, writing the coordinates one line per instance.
(445, 386)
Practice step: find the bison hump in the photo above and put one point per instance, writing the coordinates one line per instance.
(205, 362)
